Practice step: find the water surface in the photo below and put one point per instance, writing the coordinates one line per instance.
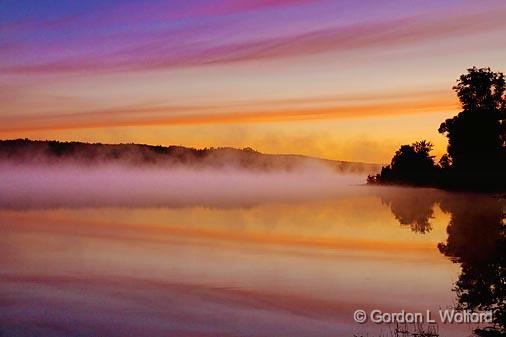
(277, 268)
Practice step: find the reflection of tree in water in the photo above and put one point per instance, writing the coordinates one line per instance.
(476, 240)
(412, 209)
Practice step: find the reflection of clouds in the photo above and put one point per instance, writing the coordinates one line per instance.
(128, 306)
(296, 268)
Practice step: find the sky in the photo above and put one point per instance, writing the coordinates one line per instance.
(348, 80)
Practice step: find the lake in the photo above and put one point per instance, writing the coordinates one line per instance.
(282, 267)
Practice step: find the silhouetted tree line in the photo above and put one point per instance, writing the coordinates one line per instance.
(25, 151)
(476, 153)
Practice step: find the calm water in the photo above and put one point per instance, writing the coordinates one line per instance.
(280, 268)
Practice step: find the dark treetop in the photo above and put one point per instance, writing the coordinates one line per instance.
(476, 157)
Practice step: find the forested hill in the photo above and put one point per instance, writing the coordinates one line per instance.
(54, 152)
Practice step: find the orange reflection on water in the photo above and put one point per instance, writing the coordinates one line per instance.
(298, 269)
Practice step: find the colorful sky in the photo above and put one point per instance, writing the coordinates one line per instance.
(347, 80)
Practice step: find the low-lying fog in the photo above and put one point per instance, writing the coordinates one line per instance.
(41, 186)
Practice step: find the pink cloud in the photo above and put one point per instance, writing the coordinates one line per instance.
(159, 51)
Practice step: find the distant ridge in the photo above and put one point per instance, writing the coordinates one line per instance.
(56, 152)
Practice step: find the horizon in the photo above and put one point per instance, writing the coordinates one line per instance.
(193, 148)
(316, 78)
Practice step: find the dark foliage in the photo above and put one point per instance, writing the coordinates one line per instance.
(476, 157)
(411, 165)
(25, 151)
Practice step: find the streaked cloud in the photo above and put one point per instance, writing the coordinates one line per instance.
(250, 112)
(89, 68)
(171, 51)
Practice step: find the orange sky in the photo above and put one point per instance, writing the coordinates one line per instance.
(328, 80)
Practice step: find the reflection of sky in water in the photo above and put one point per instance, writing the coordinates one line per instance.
(285, 269)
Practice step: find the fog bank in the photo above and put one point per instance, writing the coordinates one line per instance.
(47, 186)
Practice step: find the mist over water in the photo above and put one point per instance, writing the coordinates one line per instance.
(72, 185)
(116, 249)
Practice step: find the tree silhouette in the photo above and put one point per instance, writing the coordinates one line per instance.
(411, 164)
(476, 157)
(477, 135)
